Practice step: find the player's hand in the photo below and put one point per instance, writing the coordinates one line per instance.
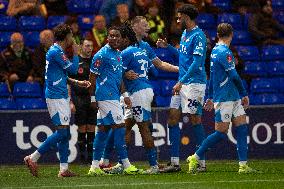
(127, 102)
(131, 75)
(177, 88)
(162, 43)
(84, 84)
(245, 102)
(72, 107)
(209, 105)
(76, 48)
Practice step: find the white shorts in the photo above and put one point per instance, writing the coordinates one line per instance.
(126, 111)
(141, 104)
(59, 110)
(110, 113)
(226, 111)
(191, 98)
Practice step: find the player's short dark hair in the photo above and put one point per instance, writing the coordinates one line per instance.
(127, 31)
(61, 31)
(189, 10)
(224, 30)
(113, 28)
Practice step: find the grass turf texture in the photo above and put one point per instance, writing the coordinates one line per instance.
(220, 174)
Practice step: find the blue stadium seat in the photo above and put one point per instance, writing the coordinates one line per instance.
(206, 21)
(278, 4)
(3, 6)
(241, 38)
(156, 87)
(82, 6)
(248, 53)
(53, 21)
(225, 5)
(5, 39)
(264, 85)
(25, 89)
(273, 52)
(163, 101)
(279, 16)
(31, 23)
(165, 55)
(30, 103)
(256, 68)
(276, 68)
(85, 22)
(4, 90)
(8, 23)
(7, 104)
(266, 99)
(167, 87)
(31, 39)
(212, 34)
(234, 19)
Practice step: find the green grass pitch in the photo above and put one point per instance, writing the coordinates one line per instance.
(220, 174)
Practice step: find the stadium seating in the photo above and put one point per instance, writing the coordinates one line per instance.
(82, 6)
(241, 37)
(25, 89)
(8, 23)
(276, 68)
(30, 103)
(167, 87)
(31, 39)
(248, 53)
(273, 52)
(3, 6)
(31, 23)
(85, 22)
(279, 15)
(278, 4)
(162, 101)
(7, 104)
(156, 86)
(256, 68)
(165, 55)
(212, 34)
(53, 21)
(234, 19)
(5, 39)
(4, 91)
(264, 85)
(225, 5)
(206, 21)
(266, 99)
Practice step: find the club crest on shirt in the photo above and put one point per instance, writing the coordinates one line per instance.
(118, 59)
(184, 38)
(229, 58)
(97, 63)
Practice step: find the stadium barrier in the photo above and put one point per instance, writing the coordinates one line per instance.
(22, 131)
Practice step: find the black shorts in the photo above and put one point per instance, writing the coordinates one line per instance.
(85, 114)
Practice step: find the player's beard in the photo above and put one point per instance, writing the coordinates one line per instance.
(183, 25)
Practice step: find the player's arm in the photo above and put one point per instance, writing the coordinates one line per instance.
(84, 84)
(65, 63)
(164, 65)
(125, 94)
(153, 71)
(208, 106)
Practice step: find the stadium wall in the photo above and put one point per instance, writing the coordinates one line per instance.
(22, 131)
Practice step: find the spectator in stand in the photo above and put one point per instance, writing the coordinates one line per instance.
(207, 7)
(140, 7)
(16, 62)
(55, 7)
(98, 34)
(175, 28)
(156, 24)
(107, 8)
(264, 28)
(122, 15)
(46, 40)
(72, 22)
(244, 6)
(24, 7)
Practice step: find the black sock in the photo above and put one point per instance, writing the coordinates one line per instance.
(82, 144)
(90, 140)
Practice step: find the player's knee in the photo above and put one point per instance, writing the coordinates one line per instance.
(82, 128)
(173, 118)
(149, 142)
(222, 127)
(195, 119)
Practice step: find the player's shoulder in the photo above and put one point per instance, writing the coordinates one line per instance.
(199, 34)
(53, 50)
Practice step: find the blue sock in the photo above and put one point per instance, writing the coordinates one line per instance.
(63, 148)
(109, 145)
(99, 145)
(119, 143)
(52, 140)
(174, 135)
(242, 146)
(199, 135)
(210, 141)
(152, 156)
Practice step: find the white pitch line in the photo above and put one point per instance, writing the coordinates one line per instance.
(146, 183)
